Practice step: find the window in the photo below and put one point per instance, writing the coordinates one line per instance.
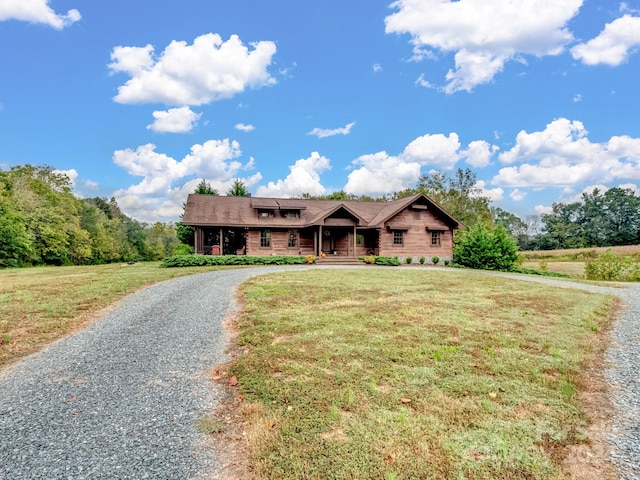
(398, 237)
(293, 239)
(292, 214)
(265, 238)
(265, 214)
(359, 239)
(435, 239)
(416, 214)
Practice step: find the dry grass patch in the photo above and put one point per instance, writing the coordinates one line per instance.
(39, 305)
(412, 374)
(575, 269)
(621, 249)
(573, 261)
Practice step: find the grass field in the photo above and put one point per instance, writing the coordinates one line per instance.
(541, 254)
(39, 305)
(411, 374)
(572, 261)
(575, 269)
(377, 373)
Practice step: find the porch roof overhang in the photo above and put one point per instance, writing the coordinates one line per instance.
(321, 219)
(413, 203)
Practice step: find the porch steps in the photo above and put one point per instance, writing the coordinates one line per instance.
(338, 260)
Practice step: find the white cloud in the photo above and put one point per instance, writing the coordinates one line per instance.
(577, 98)
(563, 155)
(377, 67)
(145, 161)
(435, 150)
(209, 70)
(493, 194)
(214, 159)
(572, 197)
(71, 174)
(479, 153)
(561, 138)
(174, 120)
(630, 186)
(304, 177)
(166, 181)
(244, 127)
(323, 132)
(473, 68)
(250, 165)
(602, 189)
(591, 188)
(379, 173)
(91, 185)
(37, 11)
(625, 8)
(484, 35)
(613, 45)
(543, 209)
(517, 195)
(423, 82)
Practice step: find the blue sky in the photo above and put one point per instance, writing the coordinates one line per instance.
(140, 100)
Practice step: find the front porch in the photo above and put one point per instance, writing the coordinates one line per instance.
(220, 241)
(345, 241)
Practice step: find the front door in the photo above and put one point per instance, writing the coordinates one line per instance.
(327, 244)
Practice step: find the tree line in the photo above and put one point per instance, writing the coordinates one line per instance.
(598, 219)
(43, 223)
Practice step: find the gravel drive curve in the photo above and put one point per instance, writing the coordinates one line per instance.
(121, 398)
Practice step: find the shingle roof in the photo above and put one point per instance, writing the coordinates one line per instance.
(227, 211)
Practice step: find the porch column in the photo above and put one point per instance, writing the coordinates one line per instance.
(315, 242)
(319, 239)
(198, 240)
(355, 242)
(221, 242)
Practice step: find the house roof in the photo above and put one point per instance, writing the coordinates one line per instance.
(228, 211)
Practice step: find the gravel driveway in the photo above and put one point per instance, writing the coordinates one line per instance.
(121, 398)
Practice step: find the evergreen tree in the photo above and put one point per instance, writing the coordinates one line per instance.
(238, 189)
(185, 232)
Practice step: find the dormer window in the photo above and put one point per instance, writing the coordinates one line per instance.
(265, 207)
(291, 214)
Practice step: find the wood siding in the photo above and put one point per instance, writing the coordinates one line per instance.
(280, 243)
(416, 238)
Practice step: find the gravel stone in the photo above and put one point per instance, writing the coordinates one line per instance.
(121, 398)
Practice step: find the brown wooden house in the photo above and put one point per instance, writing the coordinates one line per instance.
(410, 227)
